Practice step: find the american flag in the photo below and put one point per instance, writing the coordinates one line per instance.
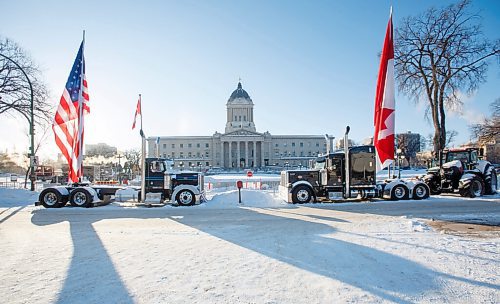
(68, 123)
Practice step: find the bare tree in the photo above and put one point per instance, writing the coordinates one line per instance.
(489, 129)
(15, 95)
(133, 157)
(409, 144)
(440, 54)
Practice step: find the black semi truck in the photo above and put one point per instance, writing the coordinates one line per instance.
(181, 187)
(349, 173)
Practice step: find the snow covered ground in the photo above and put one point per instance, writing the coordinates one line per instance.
(262, 251)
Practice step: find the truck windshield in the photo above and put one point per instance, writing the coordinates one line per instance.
(462, 156)
(319, 164)
(157, 166)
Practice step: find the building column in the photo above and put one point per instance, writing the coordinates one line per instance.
(246, 154)
(221, 154)
(262, 154)
(230, 165)
(254, 154)
(239, 155)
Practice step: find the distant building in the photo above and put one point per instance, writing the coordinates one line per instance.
(491, 149)
(409, 144)
(100, 149)
(240, 146)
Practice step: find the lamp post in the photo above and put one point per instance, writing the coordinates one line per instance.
(32, 127)
(398, 152)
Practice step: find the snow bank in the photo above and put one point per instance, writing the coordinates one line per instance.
(249, 198)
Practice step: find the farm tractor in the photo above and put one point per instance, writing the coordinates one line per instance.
(462, 169)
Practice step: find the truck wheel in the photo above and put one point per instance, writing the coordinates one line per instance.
(490, 182)
(420, 191)
(80, 198)
(399, 192)
(301, 194)
(185, 198)
(51, 198)
(474, 188)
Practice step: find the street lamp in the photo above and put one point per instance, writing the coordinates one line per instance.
(398, 153)
(32, 128)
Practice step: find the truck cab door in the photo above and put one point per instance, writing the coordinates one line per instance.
(335, 172)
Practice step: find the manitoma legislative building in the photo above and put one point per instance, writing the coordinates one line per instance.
(240, 146)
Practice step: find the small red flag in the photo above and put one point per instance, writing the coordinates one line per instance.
(137, 111)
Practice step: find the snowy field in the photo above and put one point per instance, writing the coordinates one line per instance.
(263, 251)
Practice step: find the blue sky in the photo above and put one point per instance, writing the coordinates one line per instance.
(309, 66)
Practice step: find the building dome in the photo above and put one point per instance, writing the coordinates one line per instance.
(239, 93)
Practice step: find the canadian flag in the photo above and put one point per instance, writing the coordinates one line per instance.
(383, 138)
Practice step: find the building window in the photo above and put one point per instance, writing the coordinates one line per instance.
(285, 144)
(181, 155)
(317, 144)
(301, 153)
(164, 146)
(276, 145)
(173, 146)
(235, 118)
(197, 154)
(207, 164)
(293, 144)
(189, 154)
(206, 154)
(164, 155)
(181, 145)
(207, 145)
(189, 145)
(240, 117)
(173, 154)
(197, 145)
(301, 144)
(244, 117)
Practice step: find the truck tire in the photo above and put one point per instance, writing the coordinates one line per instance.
(80, 198)
(420, 191)
(490, 182)
(399, 192)
(474, 188)
(301, 194)
(185, 198)
(51, 198)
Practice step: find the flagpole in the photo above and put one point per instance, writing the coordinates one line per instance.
(143, 159)
(140, 105)
(80, 112)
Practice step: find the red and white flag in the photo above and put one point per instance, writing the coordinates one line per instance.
(137, 112)
(383, 138)
(68, 125)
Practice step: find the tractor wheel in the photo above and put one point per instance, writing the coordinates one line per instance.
(185, 198)
(474, 188)
(490, 182)
(51, 198)
(301, 194)
(420, 191)
(433, 182)
(80, 198)
(399, 192)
